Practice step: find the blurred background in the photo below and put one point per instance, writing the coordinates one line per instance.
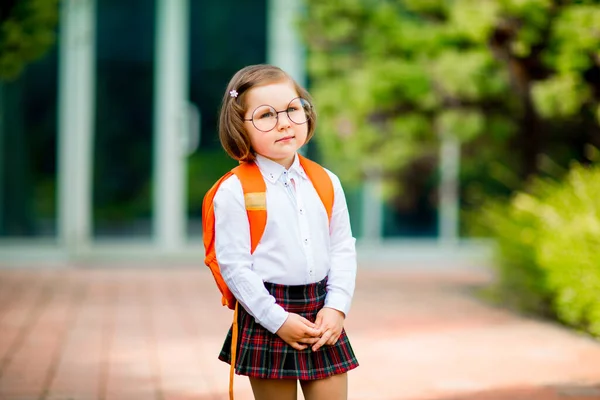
(109, 114)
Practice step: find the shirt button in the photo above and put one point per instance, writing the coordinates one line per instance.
(301, 211)
(305, 241)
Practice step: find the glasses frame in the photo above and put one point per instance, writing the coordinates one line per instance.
(279, 112)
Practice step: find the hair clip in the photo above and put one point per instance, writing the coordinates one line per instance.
(233, 93)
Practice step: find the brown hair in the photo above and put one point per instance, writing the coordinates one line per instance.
(234, 138)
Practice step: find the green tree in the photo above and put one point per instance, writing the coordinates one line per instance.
(516, 81)
(27, 31)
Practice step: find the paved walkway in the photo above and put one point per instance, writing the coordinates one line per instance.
(135, 333)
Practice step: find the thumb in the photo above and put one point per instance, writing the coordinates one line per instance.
(307, 322)
(311, 329)
(319, 320)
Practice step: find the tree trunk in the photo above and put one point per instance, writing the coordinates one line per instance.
(530, 137)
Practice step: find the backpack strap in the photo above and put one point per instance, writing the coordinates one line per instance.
(255, 197)
(321, 181)
(254, 189)
(208, 227)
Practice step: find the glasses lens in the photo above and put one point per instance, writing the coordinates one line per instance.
(264, 118)
(298, 110)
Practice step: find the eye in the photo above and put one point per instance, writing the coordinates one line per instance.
(292, 109)
(266, 114)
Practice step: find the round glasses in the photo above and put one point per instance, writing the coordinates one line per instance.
(265, 118)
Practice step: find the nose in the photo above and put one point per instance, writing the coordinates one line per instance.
(283, 121)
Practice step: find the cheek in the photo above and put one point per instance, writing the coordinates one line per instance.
(257, 140)
(304, 132)
(251, 134)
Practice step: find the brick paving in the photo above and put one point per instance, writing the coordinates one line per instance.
(154, 333)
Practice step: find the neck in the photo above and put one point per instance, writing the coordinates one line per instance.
(284, 162)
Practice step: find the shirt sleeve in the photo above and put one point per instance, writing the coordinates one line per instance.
(342, 273)
(232, 247)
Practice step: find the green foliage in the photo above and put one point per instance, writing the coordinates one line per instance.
(466, 123)
(390, 77)
(561, 95)
(573, 48)
(26, 34)
(549, 248)
(517, 82)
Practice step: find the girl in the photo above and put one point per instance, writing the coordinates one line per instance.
(296, 288)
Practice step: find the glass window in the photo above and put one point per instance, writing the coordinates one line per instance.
(224, 37)
(28, 147)
(122, 203)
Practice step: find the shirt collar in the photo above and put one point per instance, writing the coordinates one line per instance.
(272, 171)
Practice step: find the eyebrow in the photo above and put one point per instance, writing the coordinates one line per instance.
(271, 105)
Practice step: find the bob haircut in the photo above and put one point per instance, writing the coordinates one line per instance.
(232, 134)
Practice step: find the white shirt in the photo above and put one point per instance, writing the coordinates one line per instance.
(298, 245)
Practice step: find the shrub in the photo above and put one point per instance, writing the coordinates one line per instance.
(548, 254)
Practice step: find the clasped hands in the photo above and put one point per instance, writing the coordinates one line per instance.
(300, 333)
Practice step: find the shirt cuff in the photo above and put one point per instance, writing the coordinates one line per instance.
(338, 301)
(274, 318)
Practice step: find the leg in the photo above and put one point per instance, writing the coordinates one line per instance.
(332, 388)
(274, 389)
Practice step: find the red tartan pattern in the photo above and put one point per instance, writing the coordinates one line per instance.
(262, 354)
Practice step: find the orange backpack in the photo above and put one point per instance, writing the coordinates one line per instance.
(254, 189)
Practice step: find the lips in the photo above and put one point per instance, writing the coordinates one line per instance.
(285, 138)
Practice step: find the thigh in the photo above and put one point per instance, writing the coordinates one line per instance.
(274, 389)
(333, 388)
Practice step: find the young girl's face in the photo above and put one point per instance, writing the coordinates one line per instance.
(280, 143)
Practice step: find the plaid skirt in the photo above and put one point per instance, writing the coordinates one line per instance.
(261, 354)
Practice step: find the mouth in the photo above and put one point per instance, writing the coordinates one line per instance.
(285, 139)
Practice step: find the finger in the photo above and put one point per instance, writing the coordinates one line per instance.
(309, 340)
(319, 332)
(322, 341)
(319, 320)
(304, 320)
(311, 332)
(333, 340)
(320, 325)
(298, 346)
(307, 322)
